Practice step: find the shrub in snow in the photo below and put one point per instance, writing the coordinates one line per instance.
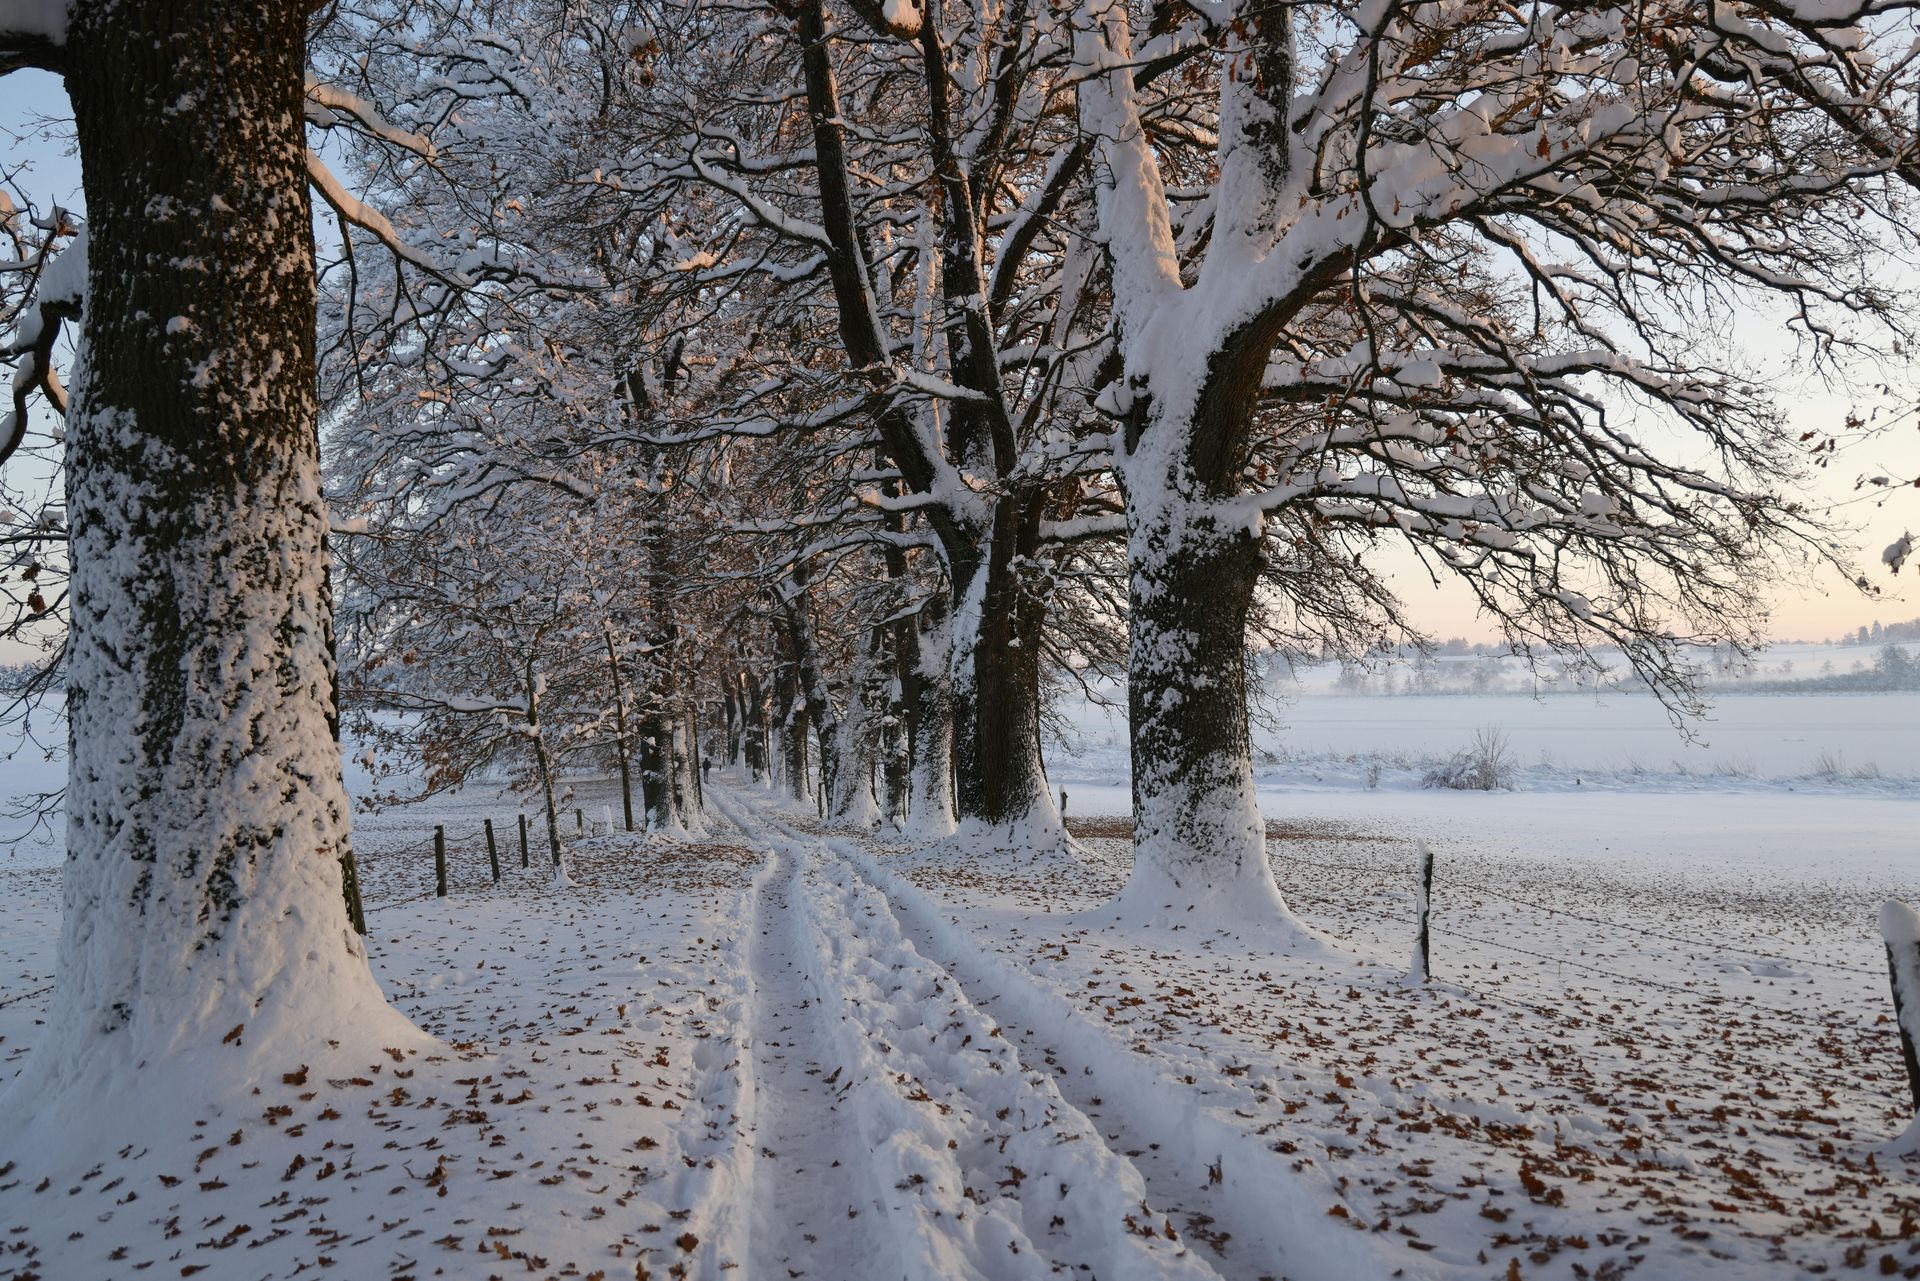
(1486, 765)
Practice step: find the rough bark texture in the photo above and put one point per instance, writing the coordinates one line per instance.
(996, 683)
(791, 725)
(543, 764)
(929, 698)
(206, 815)
(812, 688)
(755, 733)
(620, 732)
(1197, 827)
(860, 732)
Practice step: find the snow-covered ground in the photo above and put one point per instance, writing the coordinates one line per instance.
(1658, 1043)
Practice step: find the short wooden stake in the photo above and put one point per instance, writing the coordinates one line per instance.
(1422, 951)
(579, 822)
(1063, 805)
(440, 862)
(493, 853)
(523, 840)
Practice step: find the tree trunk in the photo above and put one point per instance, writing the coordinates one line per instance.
(206, 815)
(996, 685)
(731, 712)
(791, 723)
(663, 747)
(753, 732)
(860, 730)
(656, 766)
(1198, 834)
(812, 687)
(696, 798)
(928, 693)
(349, 868)
(620, 731)
(794, 737)
(896, 733)
(542, 763)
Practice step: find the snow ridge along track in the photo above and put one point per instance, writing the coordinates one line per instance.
(958, 1160)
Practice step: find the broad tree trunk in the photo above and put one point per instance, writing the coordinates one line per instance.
(1198, 834)
(753, 733)
(794, 739)
(206, 815)
(1193, 559)
(730, 711)
(658, 775)
(620, 731)
(860, 730)
(543, 764)
(790, 723)
(812, 687)
(927, 691)
(995, 664)
(696, 802)
(1197, 829)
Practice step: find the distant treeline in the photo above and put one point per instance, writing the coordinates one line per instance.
(1877, 634)
(1894, 670)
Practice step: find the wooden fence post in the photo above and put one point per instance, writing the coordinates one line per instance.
(579, 822)
(440, 862)
(1900, 930)
(1063, 807)
(523, 840)
(1422, 953)
(493, 853)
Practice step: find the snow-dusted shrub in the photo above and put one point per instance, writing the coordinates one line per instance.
(1486, 765)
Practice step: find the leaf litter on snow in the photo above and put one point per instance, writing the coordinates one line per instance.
(1606, 1079)
(577, 1117)
(1643, 1069)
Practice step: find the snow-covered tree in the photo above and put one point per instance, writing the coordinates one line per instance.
(895, 184)
(202, 922)
(1464, 256)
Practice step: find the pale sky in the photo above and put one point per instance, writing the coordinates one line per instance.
(1801, 611)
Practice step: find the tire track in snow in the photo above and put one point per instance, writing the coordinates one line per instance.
(960, 1120)
(1275, 1229)
(844, 1186)
(806, 1196)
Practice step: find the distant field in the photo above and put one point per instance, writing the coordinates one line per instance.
(1756, 736)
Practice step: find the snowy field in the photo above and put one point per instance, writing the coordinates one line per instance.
(1561, 739)
(1657, 1042)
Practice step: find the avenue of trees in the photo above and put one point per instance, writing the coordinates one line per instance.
(824, 387)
